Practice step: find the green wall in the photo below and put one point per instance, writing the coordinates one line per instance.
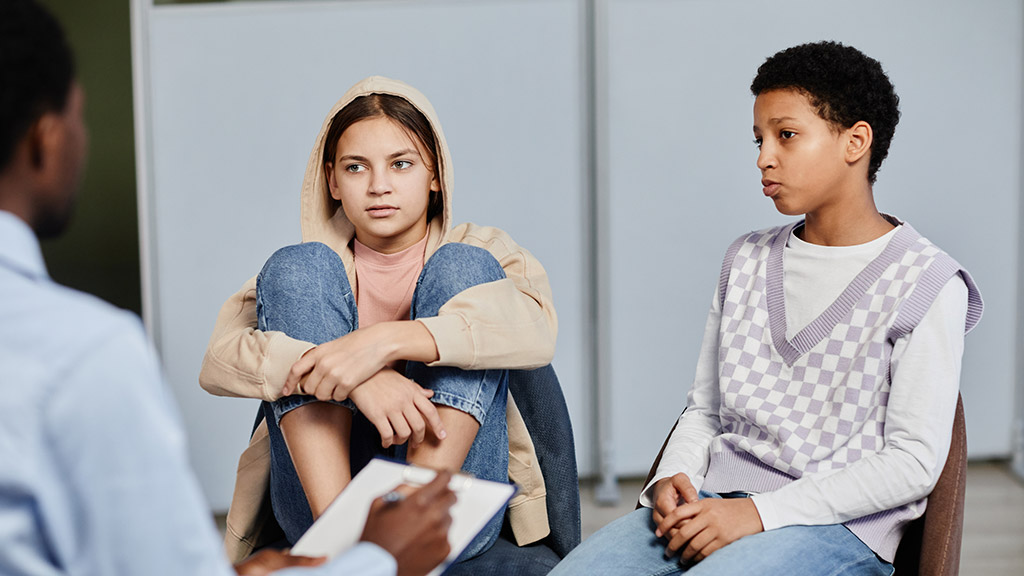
(100, 251)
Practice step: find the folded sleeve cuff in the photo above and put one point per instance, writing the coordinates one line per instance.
(769, 512)
(647, 495)
(283, 352)
(528, 518)
(453, 339)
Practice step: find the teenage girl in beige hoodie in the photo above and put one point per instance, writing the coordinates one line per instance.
(386, 328)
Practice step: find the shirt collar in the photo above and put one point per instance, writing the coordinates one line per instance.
(19, 248)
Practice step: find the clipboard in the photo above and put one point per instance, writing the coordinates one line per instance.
(341, 524)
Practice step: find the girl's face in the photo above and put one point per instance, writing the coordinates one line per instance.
(802, 157)
(381, 177)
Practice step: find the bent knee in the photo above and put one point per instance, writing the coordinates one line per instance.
(454, 267)
(294, 267)
(462, 264)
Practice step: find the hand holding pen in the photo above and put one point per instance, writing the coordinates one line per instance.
(412, 524)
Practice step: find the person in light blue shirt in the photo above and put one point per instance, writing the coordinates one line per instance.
(94, 477)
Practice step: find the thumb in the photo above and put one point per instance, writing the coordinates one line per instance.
(681, 482)
(689, 494)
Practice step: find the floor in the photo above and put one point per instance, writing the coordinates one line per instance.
(993, 542)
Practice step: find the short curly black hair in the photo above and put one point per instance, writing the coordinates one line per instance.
(843, 84)
(36, 70)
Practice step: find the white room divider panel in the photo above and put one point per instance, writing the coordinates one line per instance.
(230, 98)
(683, 182)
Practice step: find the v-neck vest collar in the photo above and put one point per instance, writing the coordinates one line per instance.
(820, 328)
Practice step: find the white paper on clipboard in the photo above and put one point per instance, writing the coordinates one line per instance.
(340, 526)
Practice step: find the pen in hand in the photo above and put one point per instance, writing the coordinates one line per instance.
(412, 524)
(393, 497)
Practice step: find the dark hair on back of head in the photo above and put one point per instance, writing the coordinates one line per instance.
(36, 70)
(843, 84)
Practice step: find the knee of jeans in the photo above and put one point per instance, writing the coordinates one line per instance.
(291, 268)
(453, 268)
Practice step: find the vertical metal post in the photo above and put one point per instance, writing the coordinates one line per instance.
(1017, 441)
(595, 31)
(140, 19)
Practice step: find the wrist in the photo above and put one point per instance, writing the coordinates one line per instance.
(408, 340)
(757, 524)
(389, 340)
(658, 487)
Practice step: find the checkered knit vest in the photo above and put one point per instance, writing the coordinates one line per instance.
(817, 403)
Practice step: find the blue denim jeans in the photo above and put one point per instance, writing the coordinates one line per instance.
(303, 291)
(628, 546)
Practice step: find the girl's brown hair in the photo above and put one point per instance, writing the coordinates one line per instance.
(399, 110)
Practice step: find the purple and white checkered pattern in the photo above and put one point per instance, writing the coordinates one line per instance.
(815, 403)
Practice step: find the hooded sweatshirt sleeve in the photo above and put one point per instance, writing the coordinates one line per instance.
(242, 361)
(509, 323)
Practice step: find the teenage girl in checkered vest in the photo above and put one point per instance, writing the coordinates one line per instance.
(820, 416)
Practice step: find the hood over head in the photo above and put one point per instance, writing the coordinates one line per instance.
(323, 220)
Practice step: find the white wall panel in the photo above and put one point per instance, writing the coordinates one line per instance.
(238, 94)
(235, 93)
(683, 181)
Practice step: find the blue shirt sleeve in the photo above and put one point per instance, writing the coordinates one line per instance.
(365, 559)
(136, 504)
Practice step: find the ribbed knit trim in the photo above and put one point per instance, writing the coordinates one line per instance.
(975, 304)
(825, 323)
(733, 470)
(730, 257)
(926, 290)
(883, 531)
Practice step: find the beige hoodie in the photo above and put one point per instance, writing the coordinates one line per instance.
(509, 323)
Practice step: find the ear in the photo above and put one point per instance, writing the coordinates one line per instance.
(858, 141)
(435, 184)
(332, 183)
(39, 140)
(45, 143)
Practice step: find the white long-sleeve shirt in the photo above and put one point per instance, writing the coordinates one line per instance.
(925, 371)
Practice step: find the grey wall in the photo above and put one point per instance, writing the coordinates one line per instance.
(238, 94)
(683, 181)
(230, 108)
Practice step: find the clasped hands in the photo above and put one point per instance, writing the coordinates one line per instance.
(355, 366)
(695, 528)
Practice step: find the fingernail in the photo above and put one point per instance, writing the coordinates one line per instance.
(658, 532)
(442, 435)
